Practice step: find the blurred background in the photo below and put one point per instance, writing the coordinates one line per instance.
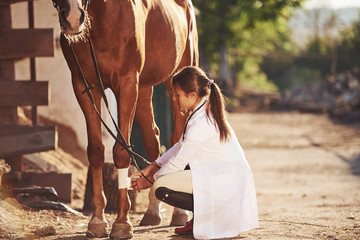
(305, 50)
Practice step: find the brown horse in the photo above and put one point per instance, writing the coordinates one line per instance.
(138, 44)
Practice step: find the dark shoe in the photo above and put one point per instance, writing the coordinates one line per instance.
(187, 229)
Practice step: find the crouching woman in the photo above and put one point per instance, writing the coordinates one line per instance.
(206, 170)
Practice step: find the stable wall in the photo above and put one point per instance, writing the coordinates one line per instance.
(63, 107)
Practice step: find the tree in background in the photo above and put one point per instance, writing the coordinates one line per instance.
(332, 48)
(235, 34)
(348, 48)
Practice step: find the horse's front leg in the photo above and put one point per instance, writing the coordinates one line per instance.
(126, 96)
(98, 226)
(144, 116)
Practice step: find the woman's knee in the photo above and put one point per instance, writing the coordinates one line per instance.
(160, 192)
(174, 198)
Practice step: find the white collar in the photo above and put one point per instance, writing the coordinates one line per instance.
(193, 113)
(198, 105)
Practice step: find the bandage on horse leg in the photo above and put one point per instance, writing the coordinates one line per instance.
(176, 199)
(122, 178)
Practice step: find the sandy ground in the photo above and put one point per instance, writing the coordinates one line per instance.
(307, 175)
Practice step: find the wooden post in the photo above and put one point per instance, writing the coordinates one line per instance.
(8, 115)
(32, 61)
(15, 44)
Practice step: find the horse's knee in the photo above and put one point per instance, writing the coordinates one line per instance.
(121, 157)
(96, 154)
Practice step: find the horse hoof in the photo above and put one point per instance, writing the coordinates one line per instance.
(150, 219)
(179, 219)
(122, 230)
(97, 228)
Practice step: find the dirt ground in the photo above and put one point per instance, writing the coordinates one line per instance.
(307, 176)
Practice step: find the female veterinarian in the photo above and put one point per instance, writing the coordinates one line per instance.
(219, 186)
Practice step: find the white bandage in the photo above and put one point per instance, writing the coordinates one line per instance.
(122, 178)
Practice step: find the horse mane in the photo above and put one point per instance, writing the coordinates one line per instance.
(181, 3)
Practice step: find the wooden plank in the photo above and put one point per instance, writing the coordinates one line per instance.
(8, 2)
(5, 16)
(19, 43)
(61, 182)
(8, 115)
(24, 93)
(15, 163)
(7, 70)
(17, 140)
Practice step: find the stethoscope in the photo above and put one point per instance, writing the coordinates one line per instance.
(187, 121)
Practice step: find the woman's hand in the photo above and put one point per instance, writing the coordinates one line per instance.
(138, 182)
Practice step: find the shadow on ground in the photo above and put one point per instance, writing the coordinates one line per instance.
(354, 163)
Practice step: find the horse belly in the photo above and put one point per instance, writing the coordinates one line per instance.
(165, 42)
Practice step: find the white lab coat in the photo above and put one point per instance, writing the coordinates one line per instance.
(223, 186)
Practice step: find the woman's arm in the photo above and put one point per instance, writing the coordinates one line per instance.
(197, 135)
(167, 155)
(138, 182)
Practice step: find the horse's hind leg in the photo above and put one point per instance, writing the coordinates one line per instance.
(179, 216)
(98, 225)
(144, 116)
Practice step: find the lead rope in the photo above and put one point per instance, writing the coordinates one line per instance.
(133, 155)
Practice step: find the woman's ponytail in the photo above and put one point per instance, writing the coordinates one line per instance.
(217, 109)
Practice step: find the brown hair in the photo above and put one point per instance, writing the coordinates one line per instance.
(193, 79)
